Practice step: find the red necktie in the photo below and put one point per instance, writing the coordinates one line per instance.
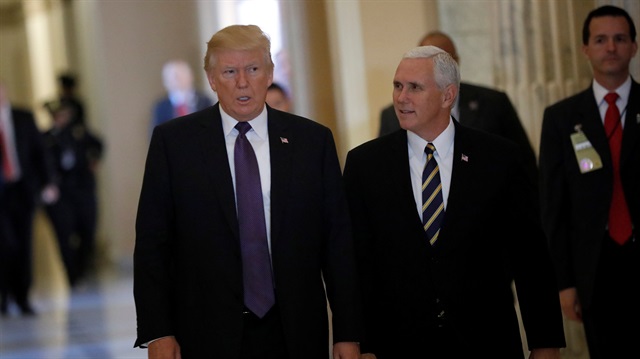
(182, 110)
(619, 218)
(7, 168)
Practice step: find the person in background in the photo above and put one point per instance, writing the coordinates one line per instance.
(75, 151)
(478, 107)
(590, 190)
(278, 98)
(242, 221)
(67, 84)
(444, 221)
(26, 180)
(182, 98)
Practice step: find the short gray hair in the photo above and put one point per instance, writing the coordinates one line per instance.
(445, 67)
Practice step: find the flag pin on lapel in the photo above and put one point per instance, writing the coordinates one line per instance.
(284, 140)
(464, 158)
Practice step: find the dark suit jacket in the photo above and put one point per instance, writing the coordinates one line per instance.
(188, 272)
(34, 164)
(485, 109)
(18, 202)
(490, 236)
(164, 111)
(575, 206)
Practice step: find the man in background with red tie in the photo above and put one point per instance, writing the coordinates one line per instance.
(590, 190)
(26, 180)
(182, 98)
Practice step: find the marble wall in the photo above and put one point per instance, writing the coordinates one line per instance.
(529, 48)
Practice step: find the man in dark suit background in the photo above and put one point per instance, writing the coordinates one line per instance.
(182, 98)
(26, 180)
(75, 152)
(478, 107)
(190, 283)
(430, 294)
(597, 264)
(67, 84)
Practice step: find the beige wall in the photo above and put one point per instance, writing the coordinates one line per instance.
(389, 30)
(344, 53)
(131, 44)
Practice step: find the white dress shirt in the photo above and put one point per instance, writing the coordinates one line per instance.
(258, 136)
(418, 158)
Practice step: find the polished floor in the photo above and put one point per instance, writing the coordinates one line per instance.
(95, 320)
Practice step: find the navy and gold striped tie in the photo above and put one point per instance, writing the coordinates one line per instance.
(432, 200)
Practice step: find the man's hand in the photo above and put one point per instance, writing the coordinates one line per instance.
(346, 350)
(164, 348)
(570, 304)
(50, 194)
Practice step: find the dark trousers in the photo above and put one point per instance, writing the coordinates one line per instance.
(263, 338)
(74, 220)
(612, 322)
(16, 218)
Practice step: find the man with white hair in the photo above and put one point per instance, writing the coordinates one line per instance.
(182, 98)
(444, 221)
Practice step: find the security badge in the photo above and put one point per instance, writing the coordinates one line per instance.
(587, 157)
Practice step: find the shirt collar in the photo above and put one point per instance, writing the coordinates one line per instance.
(259, 124)
(5, 115)
(623, 91)
(443, 143)
(181, 97)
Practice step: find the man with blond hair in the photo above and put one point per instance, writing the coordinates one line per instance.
(242, 221)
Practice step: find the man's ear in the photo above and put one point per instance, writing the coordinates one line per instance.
(449, 96)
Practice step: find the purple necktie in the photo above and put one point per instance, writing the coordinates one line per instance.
(256, 262)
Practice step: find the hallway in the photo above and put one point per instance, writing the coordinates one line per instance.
(95, 321)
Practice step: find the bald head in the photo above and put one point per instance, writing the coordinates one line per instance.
(441, 40)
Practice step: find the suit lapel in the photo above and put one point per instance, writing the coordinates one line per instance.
(631, 133)
(399, 164)
(214, 155)
(588, 119)
(461, 171)
(282, 143)
(399, 191)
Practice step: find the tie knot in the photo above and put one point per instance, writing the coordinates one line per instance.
(430, 148)
(243, 127)
(611, 98)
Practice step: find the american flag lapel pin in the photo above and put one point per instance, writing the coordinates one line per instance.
(464, 157)
(284, 140)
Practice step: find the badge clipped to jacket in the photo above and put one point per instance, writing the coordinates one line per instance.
(587, 157)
